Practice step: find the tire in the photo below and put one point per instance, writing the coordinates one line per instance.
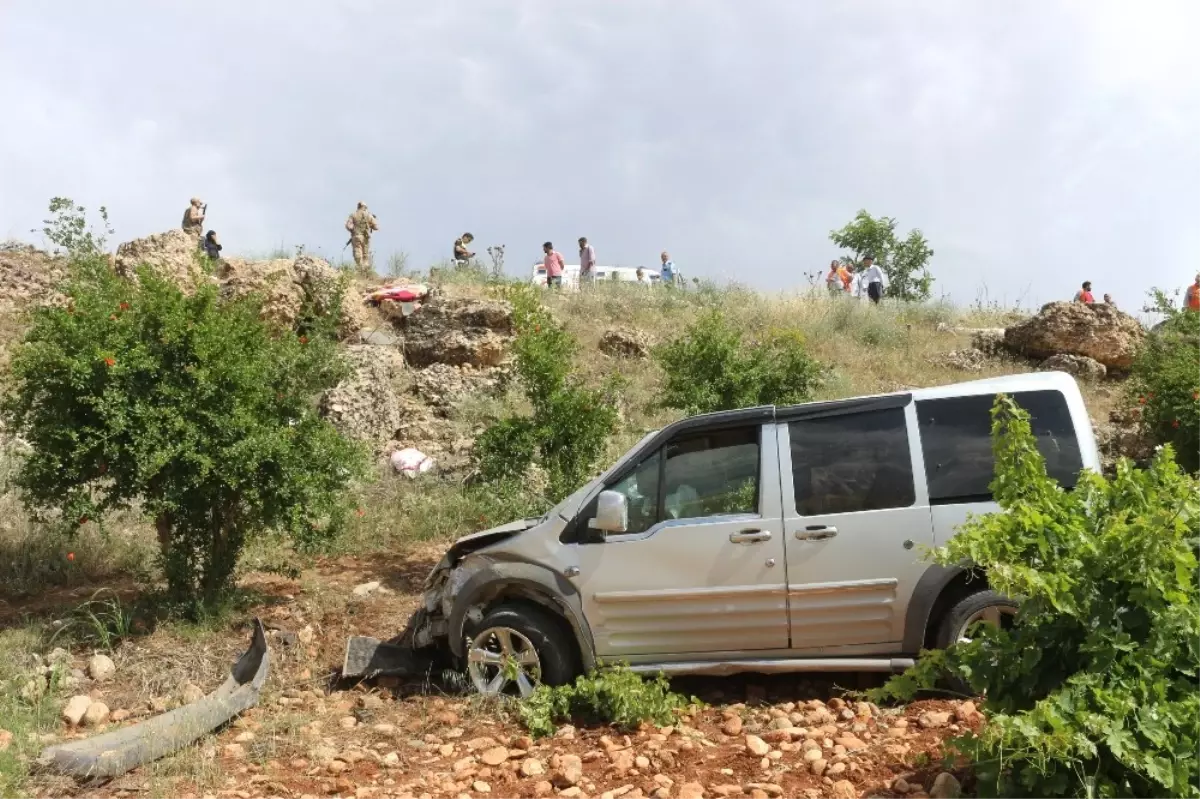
(955, 621)
(557, 661)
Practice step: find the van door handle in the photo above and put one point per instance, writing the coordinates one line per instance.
(816, 532)
(750, 536)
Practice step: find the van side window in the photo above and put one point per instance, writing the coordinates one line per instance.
(853, 462)
(956, 437)
(695, 476)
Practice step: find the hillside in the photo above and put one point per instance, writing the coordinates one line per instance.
(433, 380)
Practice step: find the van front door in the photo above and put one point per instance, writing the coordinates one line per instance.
(855, 525)
(700, 568)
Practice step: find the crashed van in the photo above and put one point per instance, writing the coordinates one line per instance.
(770, 539)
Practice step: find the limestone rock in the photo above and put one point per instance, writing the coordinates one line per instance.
(191, 693)
(365, 406)
(843, 789)
(101, 667)
(969, 360)
(75, 708)
(441, 386)
(1123, 436)
(28, 276)
(173, 255)
(1080, 366)
(757, 746)
(96, 714)
(945, 786)
(625, 343)
(568, 770)
(458, 331)
(1097, 331)
(988, 340)
(284, 284)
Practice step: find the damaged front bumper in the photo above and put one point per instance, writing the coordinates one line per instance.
(426, 635)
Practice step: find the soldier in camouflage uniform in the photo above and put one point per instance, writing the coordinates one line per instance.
(361, 224)
(193, 219)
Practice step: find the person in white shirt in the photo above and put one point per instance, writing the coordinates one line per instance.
(872, 276)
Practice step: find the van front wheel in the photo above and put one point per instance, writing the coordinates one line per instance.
(514, 648)
(982, 607)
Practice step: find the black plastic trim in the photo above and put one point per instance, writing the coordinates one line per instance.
(820, 410)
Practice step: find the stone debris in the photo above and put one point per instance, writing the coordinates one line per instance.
(365, 406)
(457, 331)
(75, 708)
(1080, 366)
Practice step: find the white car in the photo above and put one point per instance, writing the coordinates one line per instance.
(771, 539)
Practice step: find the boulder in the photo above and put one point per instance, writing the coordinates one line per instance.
(365, 406)
(1097, 331)
(1080, 366)
(458, 331)
(625, 343)
(173, 255)
(96, 714)
(101, 667)
(75, 708)
(945, 786)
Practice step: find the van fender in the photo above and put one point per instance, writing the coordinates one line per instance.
(920, 607)
(519, 579)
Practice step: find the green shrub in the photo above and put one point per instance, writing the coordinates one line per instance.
(189, 409)
(1165, 386)
(1093, 690)
(712, 368)
(609, 696)
(570, 424)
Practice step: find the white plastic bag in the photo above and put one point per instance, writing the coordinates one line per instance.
(411, 462)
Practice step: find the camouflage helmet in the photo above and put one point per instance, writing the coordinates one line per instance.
(197, 201)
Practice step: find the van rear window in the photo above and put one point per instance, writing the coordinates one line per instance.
(957, 443)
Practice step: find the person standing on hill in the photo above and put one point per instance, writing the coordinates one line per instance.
(1191, 297)
(668, 270)
(193, 219)
(461, 254)
(554, 266)
(587, 261)
(361, 225)
(833, 280)
(212, 248)
(872, 276)
(1084, 294)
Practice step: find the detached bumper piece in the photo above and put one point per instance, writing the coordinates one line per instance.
(369, 657)
(114, 753)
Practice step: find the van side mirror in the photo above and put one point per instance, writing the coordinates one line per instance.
(612, 513)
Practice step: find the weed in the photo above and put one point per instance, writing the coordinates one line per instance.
(613, 695)
(101, 623)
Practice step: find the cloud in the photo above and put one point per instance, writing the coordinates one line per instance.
(1035, 144)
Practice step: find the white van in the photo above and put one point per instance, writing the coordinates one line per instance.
(570, 281)
(771, 539)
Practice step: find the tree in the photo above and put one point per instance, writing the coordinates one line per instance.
(1164, 385)
(189, 408)
(904, 261)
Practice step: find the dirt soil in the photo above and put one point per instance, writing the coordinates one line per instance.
(314, 736)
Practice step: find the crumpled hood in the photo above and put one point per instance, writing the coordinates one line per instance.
(474, 541)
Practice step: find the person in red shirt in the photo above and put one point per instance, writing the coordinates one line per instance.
(1085, 294)
(554, 266)
(1191, 297)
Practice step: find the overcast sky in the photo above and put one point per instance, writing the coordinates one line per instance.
(1036, 143)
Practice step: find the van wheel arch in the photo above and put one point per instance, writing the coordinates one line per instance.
(936, 593)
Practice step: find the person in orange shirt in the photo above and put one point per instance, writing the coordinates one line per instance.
(833, 280)
(1191, 297)
(1085, 294)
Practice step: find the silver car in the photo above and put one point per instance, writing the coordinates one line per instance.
(772, 539)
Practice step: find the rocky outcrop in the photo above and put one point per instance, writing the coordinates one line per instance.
(285, 284)
(1123, 436)
(441, 386)
(366, 406)
(458, 331)
(625, 343)
(1080, 366)
(28, 276)
(173, 255)
(1100, 332)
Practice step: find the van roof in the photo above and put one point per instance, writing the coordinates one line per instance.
(1033, 381)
